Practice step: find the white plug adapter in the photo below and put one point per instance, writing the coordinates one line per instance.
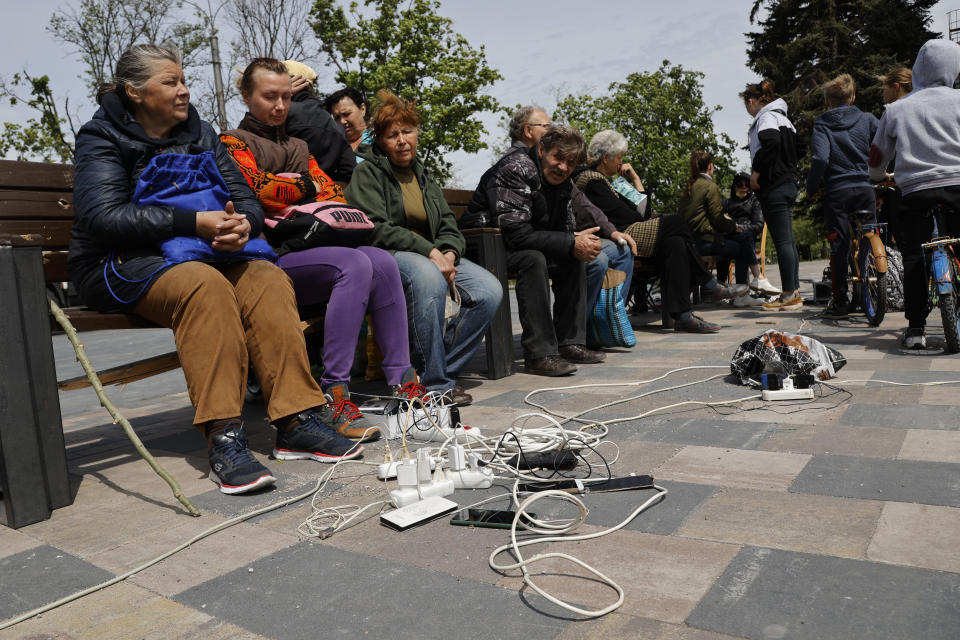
(388, 470)
(456, 457)
(407, 474)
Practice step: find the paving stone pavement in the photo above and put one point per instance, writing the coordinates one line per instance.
(835, 518)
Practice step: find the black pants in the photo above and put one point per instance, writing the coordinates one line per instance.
(542, 333)
(777, 205)
(738, 245)
(837, 207)
(679, 264)
(916, 228)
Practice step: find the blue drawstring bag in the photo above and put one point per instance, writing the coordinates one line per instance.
(184, 181)
(192, 182)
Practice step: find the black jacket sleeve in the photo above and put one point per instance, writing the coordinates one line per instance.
(515, 208)
(756, 217)
(614, 206)
(103, 198)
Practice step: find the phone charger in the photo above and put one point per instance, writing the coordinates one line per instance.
(418, 513)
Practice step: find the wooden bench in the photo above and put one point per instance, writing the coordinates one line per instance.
(36, 213)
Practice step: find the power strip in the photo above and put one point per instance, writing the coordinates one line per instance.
(787, 394)
(388, 470)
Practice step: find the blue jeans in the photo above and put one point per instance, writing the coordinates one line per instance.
(613, 256)
(437, 354)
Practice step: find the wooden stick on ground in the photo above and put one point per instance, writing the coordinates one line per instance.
(71, 332)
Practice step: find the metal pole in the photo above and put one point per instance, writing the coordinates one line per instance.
(217, 80)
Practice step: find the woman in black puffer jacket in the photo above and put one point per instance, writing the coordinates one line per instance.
(224, 315)
(743, 207)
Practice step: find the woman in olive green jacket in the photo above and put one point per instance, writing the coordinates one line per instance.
(413, 221)
(717, 234)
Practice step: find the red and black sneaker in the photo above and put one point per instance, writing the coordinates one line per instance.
(313, 439)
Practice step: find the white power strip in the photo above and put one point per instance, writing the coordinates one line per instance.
(787, 394)
(388, 470)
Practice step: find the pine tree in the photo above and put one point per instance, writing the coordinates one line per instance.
(803, 43)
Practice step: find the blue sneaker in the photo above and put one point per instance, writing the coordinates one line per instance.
(232, 465)
(314, 439)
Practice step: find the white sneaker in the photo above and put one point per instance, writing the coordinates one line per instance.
(764, 286)
(747, 300)
(914, 339)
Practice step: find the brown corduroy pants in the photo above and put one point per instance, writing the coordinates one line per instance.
(226, 317)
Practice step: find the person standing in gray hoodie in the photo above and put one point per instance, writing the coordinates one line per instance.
(841, 144)
(922, 131)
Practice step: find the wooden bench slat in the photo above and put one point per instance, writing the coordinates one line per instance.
(31, 205)
(48, 234)
(127, 373)
(88, 320)
(35, 175)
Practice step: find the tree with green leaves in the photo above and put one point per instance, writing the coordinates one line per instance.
(41, 137)
(803, 43)
(408, 48)
(663, 116)
(99, 31)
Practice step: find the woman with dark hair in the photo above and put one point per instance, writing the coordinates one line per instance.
(701, 205)
(225, 315)
(773, 150)
(349, 108)
(413, 220)
(664, 239)
(743, 207)
(349, 281)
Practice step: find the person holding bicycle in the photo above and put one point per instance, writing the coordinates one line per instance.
(922, 130)
(841, 143)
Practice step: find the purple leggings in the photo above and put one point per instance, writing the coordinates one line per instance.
(350, 281)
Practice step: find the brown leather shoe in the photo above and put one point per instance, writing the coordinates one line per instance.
(579, 354)
(460, 396)
(550, 366)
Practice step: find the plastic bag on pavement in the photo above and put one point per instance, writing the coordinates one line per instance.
(785, 353)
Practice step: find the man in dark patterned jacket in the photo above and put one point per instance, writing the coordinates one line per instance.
(530, 196)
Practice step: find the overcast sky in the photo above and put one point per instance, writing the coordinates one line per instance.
(540, 47)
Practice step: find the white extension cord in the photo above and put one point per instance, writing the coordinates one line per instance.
(326, 521)
(553, 532)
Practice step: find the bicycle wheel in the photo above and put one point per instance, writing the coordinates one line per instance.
(948, 313)
(873, 285)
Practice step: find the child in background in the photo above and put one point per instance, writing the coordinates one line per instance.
(744, 208)
(841, 145)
